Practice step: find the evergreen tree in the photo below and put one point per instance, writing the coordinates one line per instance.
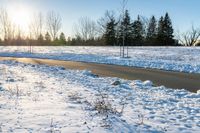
(168, 31)
(151, 32)
(165, 31)
(62, 39)
(125, 29)
(160, 35)
(47, 37)
(69, 40)
(56, 42)
(138, 32)
(110, 35)
(40, 39)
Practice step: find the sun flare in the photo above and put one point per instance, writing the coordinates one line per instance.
(20, 15)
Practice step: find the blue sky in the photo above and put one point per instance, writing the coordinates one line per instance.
(184, 13)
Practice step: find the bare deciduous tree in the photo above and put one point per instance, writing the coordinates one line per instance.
(8, 28)
(189, 38)
(122, 16)
(53, 23)
(36, 27)
(85, 28)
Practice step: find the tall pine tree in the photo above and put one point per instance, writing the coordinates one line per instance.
(165, 31)
(137, 32)
(160, 35)
(151, 32)
(168, 31)
(125, 30)
(110, 35)
(47, 38)
(62, 39)
(40, 38)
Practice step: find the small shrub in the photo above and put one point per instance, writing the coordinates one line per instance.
(103, 105)
(52, 128)
(75, 97)
(141, 119)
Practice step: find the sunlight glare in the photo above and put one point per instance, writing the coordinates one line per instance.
(20, 16)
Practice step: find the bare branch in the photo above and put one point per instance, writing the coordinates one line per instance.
(190, 38)
(7, 26)
(36, 27)
(53, 23)
(109, 15)
(85, 28)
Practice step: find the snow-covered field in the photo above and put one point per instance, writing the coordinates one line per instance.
(183, 59)
(37, 99)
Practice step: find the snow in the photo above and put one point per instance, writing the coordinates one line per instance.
(40, 98)
(181, 59)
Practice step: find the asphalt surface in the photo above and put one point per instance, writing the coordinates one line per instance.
(176, 80)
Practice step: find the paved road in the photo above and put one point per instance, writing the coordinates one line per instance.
(169, 79)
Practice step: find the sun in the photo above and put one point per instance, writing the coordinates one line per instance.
(20, 16)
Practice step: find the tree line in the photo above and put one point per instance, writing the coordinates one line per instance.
(43, 30)
(113, 30)
(110, 30)
(134, 33)
(140, 32)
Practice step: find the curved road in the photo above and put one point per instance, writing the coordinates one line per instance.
(177, 80)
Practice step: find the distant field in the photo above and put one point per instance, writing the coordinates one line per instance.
(183, 59)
